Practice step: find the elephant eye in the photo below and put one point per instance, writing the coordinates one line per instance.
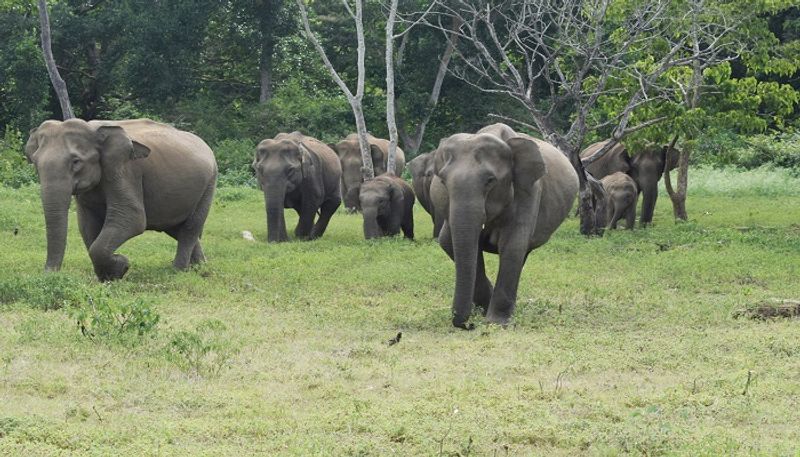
(76, 164)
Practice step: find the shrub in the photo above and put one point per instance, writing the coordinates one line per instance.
(234, 159)
(204, 351)
(102, 318)
(15, 171)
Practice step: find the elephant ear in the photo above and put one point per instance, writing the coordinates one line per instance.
(117, 146)
(396, 207)
(312, 179)
(529, 165)
(378, 164)
(333, 148)
(32, 145)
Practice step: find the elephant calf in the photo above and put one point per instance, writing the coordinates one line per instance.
(127, 177)
(505, 193)
(621, 196)
(421, 169)
(387, 204)
(299, 172)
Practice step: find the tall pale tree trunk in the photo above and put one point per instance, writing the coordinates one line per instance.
(678, 197)
(390, 120)
(59, 85)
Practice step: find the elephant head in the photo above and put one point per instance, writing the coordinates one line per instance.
(489, 179)
(73, 158)
(283, 167)
(381, 201)
(596, 193)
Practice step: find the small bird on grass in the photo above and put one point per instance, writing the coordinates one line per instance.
(396, 339)
(16, 230)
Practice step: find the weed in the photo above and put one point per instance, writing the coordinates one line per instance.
(204, 351)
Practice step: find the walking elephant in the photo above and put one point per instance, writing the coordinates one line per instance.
(505, 193)
(350, 157)
(621, 196)
(387, 205)
(421, 169)
(646, 168)
(299, 172)
(127, 177)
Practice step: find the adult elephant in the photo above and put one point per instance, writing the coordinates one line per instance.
(127, 177)
(299, 172)
(350, 156)
(505, 193)
(646, 168)
(421, 169)
(387, 205)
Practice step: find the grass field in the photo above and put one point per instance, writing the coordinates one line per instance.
(620, 345)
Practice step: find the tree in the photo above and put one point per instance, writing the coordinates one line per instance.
(559, 58)
(390, 118)
(59, 85)
(368, 172)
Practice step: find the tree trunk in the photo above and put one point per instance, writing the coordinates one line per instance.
(265, 70)
(390, 120)
(678, 197)
(59, 85)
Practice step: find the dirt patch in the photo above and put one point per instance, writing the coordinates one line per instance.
(771, 309)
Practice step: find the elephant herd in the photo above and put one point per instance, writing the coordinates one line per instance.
(496, 191)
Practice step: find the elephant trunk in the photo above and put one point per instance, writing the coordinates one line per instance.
(649, 197)
(371, 227)
(466, 221)
(275, 195)
(56, 195)
(350, 189)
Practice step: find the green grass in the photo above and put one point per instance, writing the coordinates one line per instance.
(621, 345)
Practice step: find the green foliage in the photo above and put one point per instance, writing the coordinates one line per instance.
(15, 171)
(102, 318)
(45, 292)
(724, 148)
(204, 351)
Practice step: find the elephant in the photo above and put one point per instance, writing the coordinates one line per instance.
(350, 156)
(299, 172)
(387, 205)
(646, 168)
(621, 196)
(421, 169)
(504, 193)
(127, 177)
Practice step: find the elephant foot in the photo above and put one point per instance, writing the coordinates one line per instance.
(462, 323)
(502, 321)
(115, 269)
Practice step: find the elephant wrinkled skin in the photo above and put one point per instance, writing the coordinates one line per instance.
(127, 177)
(387, 205)
(350, 157)
(299, 172)
(504, 193)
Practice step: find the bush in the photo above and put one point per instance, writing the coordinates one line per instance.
(204, 351)
(721, 149)
(15, 171)
(234, 159)
(102, 318)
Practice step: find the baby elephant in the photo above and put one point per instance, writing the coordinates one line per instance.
(299, 172)
(387, 204)
(621, 196)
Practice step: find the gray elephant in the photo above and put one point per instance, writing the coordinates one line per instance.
(350, 157)
(421, 169)
(387, 205)
(646, 168)
(621, 195)
(127, 177)
(299, 172)
(505, 193)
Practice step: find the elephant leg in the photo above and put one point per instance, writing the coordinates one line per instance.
(107, 265)
(504, 299)
(305, 224)
(408, 222)
(616, 217)
(197, 255)
(630, 216)
(189, 233)
(90, 223)
(483, 286)
(326, 211)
